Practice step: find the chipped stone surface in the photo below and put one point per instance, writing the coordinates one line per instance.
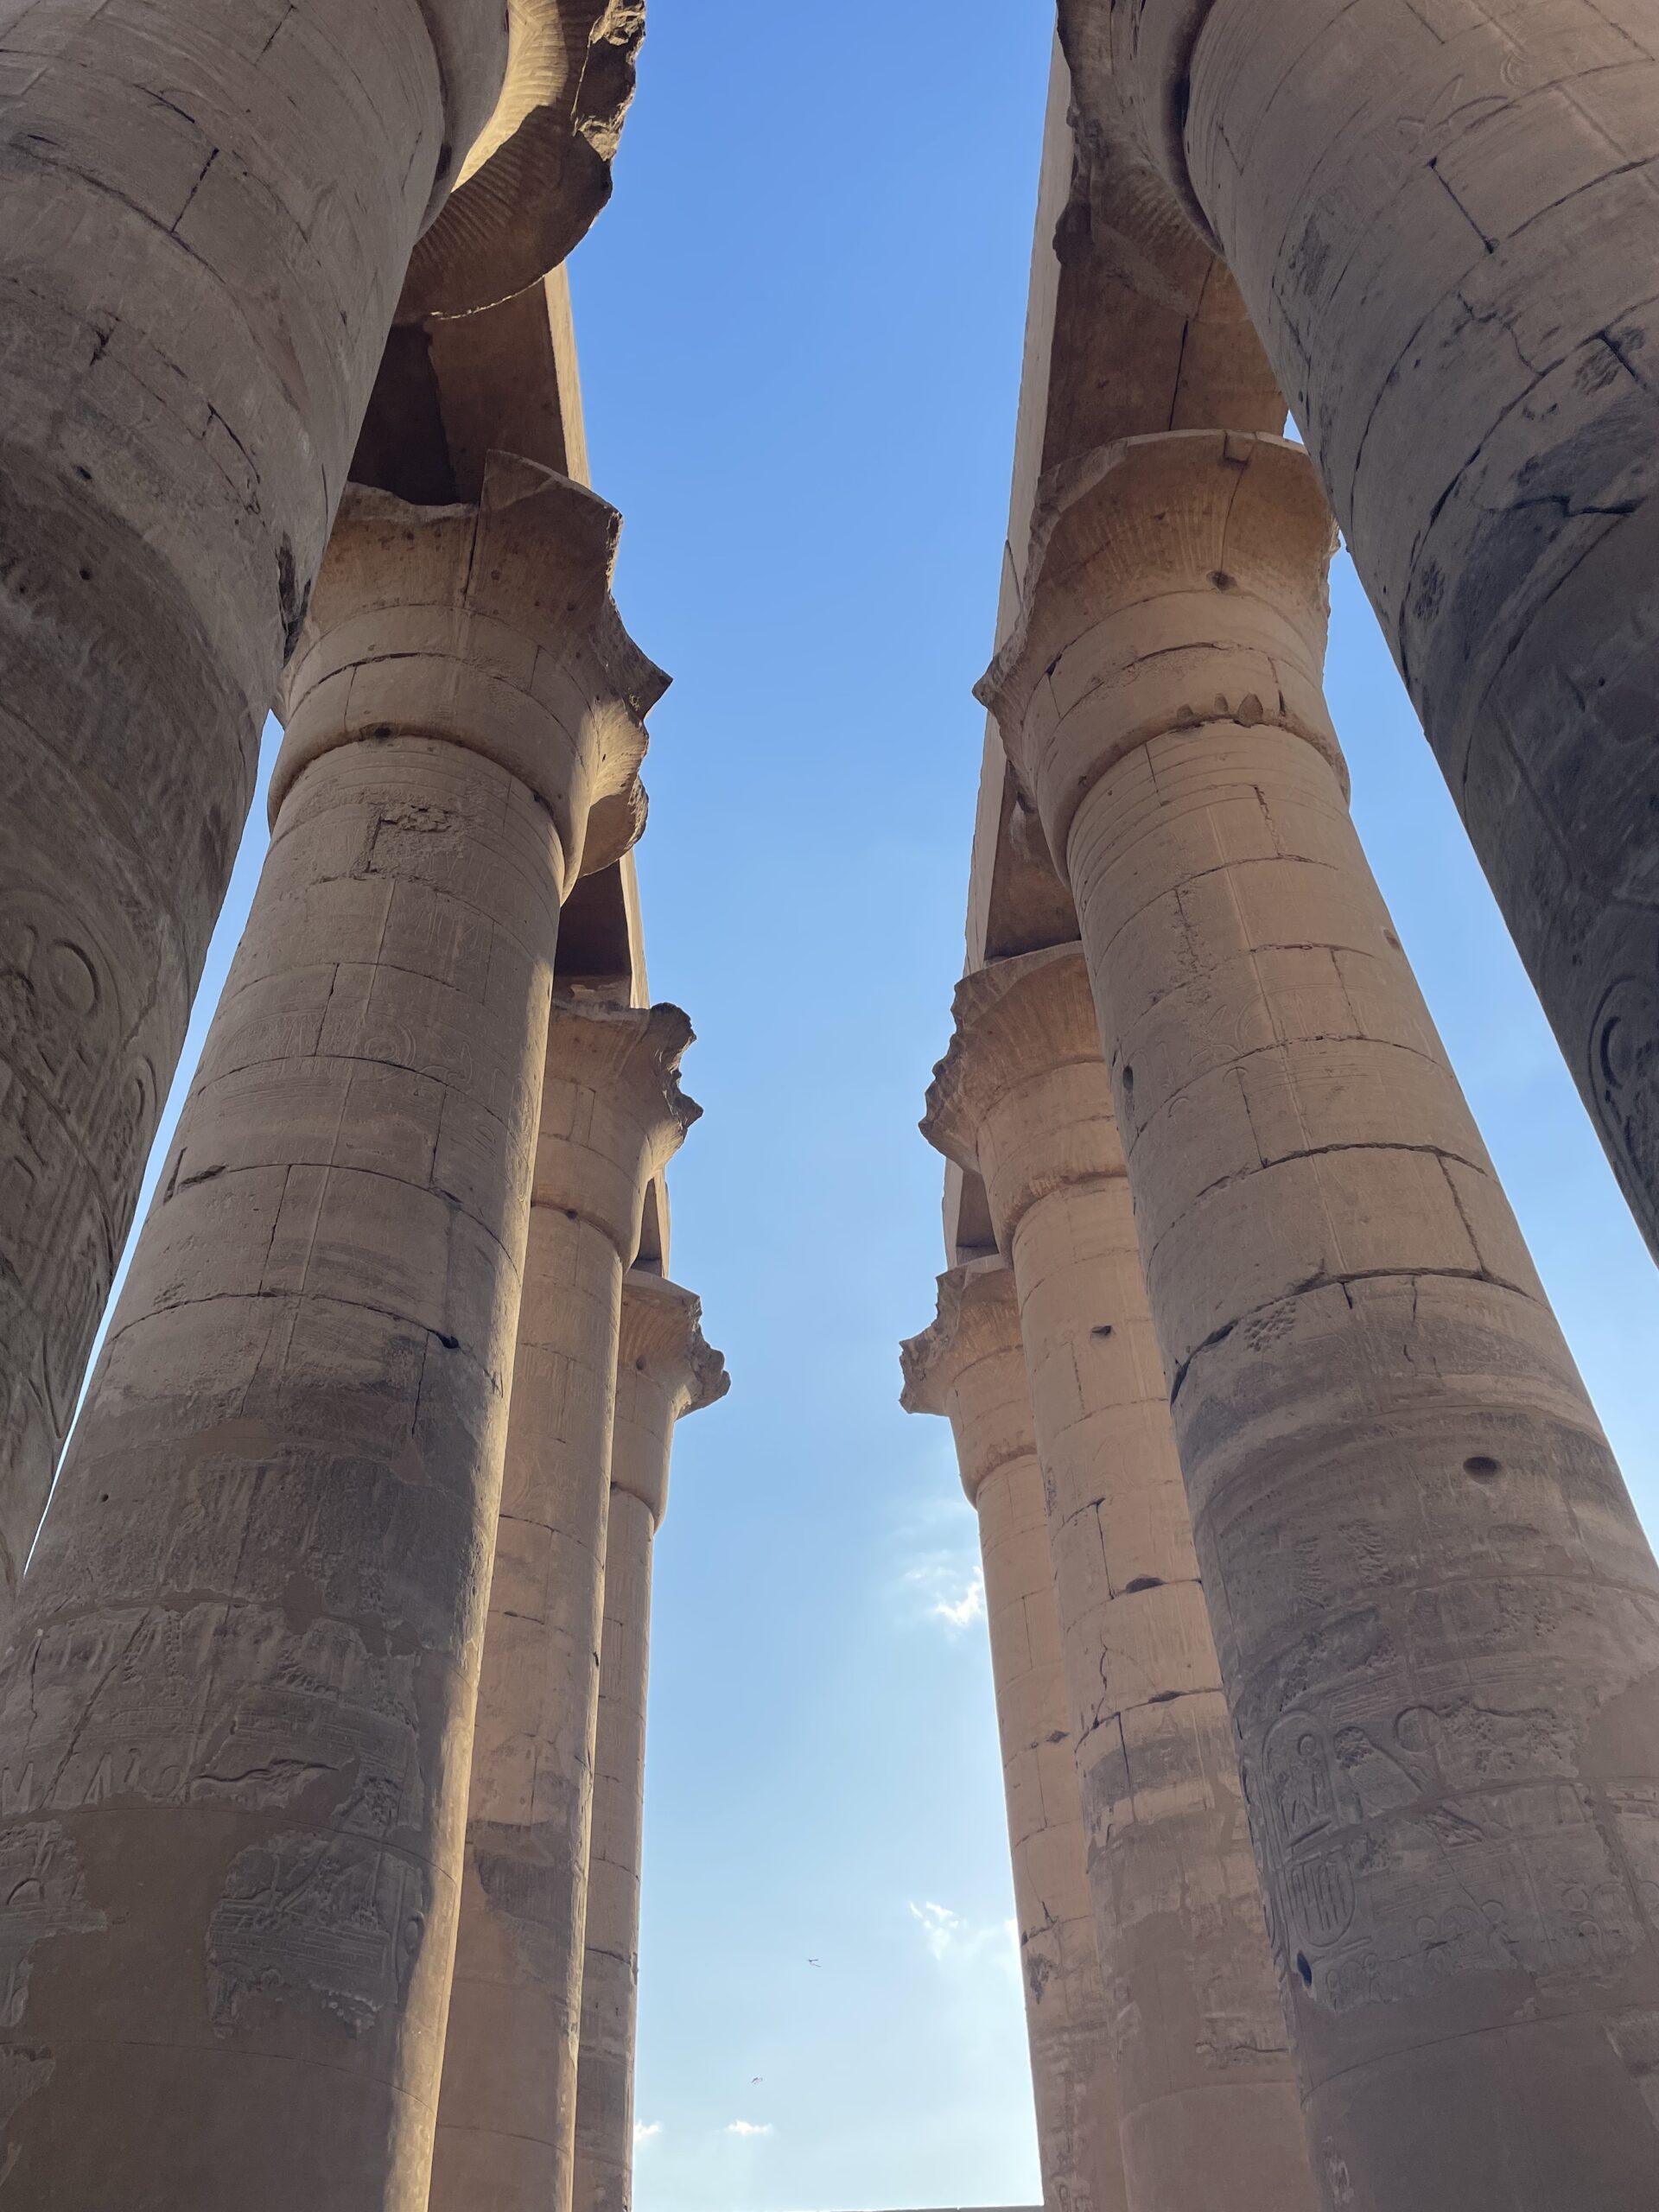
(970, 1365)
(210, 206)
(1205, 2079)
(241, 1684)
(665, 1370)
(1437, 1617)
(611, 1116)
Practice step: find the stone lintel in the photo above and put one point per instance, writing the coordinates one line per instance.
(612, 1112)
(539, 171)
(1174, 580)
(665, 1369)
(489, 627)
(1022, 1096)
(969, 1364)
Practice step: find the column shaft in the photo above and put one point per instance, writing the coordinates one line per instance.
(1445, 221)
(665, 1370)
(1437, 1617)
(210, 206)
(970, 1365)
(610, 1973)
(1204, 2075)
(612, 1115)
(237, 1705)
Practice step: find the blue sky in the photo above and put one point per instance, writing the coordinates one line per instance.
(800, 326)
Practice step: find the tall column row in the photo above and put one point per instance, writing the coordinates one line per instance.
(211, 207)
(665, 1370)
(236, 1723)
(1205, 2081)
(969, 1367)
(1437, 1617)
(1444, 220)
(612, 1114)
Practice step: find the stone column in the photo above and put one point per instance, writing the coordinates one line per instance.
(1444, 221)
(235, 1709)
(665, 1370)
(1437, 1617)
(612, 1115)
(1208, 2093)
(969, 1367)
(209, 208)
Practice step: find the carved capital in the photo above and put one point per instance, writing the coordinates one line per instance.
(612, 1112)
(665, 1369)
(540, 170)
(1130, 61)
(1022, 1098)
(1173, 581)
(491, 627)
(472, 45)
(970, 1365)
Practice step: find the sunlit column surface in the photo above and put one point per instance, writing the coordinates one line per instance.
(1436, 1614)
(1444, 220)
(612, 1114)
(209, 207)
(969, 1366)
(1204, 2078)
(665, 1370)
(236, 1710)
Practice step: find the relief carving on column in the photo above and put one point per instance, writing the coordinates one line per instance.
(491, 627)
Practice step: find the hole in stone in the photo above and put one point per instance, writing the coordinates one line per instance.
(381, 729)
(1164, 1697)
(85, 575)
(1481, 1467)
(1389, 937)
(1144, 1582)
(449, 1344)
(1304, 1969)
(1104, 1330)
(1220, 580)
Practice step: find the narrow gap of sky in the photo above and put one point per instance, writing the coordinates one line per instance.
(800, 324)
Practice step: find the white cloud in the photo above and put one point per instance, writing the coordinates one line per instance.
(964, 1948)
(950, 1587)
(940, 1926)
(748, 2127)
(646, 2131)
(969, 1607)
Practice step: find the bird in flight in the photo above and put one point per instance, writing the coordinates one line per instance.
(815, 1963)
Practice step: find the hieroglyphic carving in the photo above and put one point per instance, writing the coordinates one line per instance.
(1430, 1848)
(202, 1706)
(43, 1894)
(333, 1916)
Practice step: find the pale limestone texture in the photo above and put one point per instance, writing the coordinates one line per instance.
(540, 172)
(1437, 1617)
(665, 1370)
(1204, 2080)
(1444, 220)
(611, 1116)
(209, 207)
(969, 1366)
(237, 1715)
